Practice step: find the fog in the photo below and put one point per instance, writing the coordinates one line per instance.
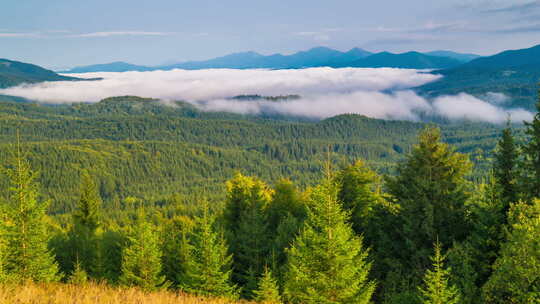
(379, 93)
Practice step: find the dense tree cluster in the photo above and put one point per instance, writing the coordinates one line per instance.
(426, 233)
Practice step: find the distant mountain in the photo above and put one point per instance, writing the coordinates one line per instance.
(514, 73)
(118, 66)
(524, 58)
(458, 56)
(315, 57)
(13, 73)
(409, 60)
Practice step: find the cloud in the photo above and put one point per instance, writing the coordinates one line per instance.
(520, 8)
(120, 33)
(380, 93)
(464, 106)
(18, 35)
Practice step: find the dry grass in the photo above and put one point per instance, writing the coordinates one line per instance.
(94, 294)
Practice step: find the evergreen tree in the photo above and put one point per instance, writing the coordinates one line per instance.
(141, 259)
(505, 168)
(247, 229)
(431, 190)
(27, 255)
(267, 291)
(86, 221)
(359, 192)
(531, 149)
(251, 250)
(327, 262)
(516, 272)
(437, 289)
(78, 276)
(208, 268)
(176, 247)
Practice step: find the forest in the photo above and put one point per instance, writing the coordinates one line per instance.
(132, 194)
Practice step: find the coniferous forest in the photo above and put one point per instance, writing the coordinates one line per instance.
(356, 211)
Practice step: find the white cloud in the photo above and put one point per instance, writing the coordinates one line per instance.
(380, 93)
(120, 33)
(464, 106)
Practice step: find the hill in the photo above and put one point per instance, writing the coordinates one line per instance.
(118, 66)
(409, 60)
(143, 148)
(315, 57)
(14, 73)
(458, 56)
(513, 73)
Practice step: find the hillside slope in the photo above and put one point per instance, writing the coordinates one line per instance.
(14, 73)
(513, 73)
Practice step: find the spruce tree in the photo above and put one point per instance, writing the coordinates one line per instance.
(207, 271)
(437, 289)
(267, 291)
(359, 192)
(78, 276)
(247, 229)
(27, 255)
(531, 149)
(431, 190)
(141, 258)
(327, 262)
(86, 221)
(516, 272)
(505, 168)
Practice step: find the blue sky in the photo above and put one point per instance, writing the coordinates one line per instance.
(64, 33)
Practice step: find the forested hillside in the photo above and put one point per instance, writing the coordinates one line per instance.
(514, 73)
(337, 231)
(140, 147)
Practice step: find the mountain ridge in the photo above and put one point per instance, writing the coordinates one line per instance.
(314, 57)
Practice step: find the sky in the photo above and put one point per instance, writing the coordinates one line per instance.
(60, 34)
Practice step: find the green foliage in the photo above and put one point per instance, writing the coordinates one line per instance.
(141, 259)
(208, 267)
(78, 276)
(437, 289)
(432, 190)
(516, 272)
(327, 262)
(505, 168)
(267, 291)
(247, 229)
(26, 254)
(532, 156)
(359, 191)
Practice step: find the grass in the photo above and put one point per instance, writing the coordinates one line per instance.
(94, 293)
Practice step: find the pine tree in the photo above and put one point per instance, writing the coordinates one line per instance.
(86, 221)
(505, 168)
(251, 250)
(327, 262)
(437, 289)
(208, 268)
(431, 190)
(532, 156)
(27, 254)
(516, 272)
(247, 229)
(359, 192)
(141, 259)
(78, 276)
(267, 291)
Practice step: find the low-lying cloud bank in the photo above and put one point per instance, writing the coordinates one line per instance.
(378, 93)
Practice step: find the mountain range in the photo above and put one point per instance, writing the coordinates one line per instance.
(315, 57)
(514, 73)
